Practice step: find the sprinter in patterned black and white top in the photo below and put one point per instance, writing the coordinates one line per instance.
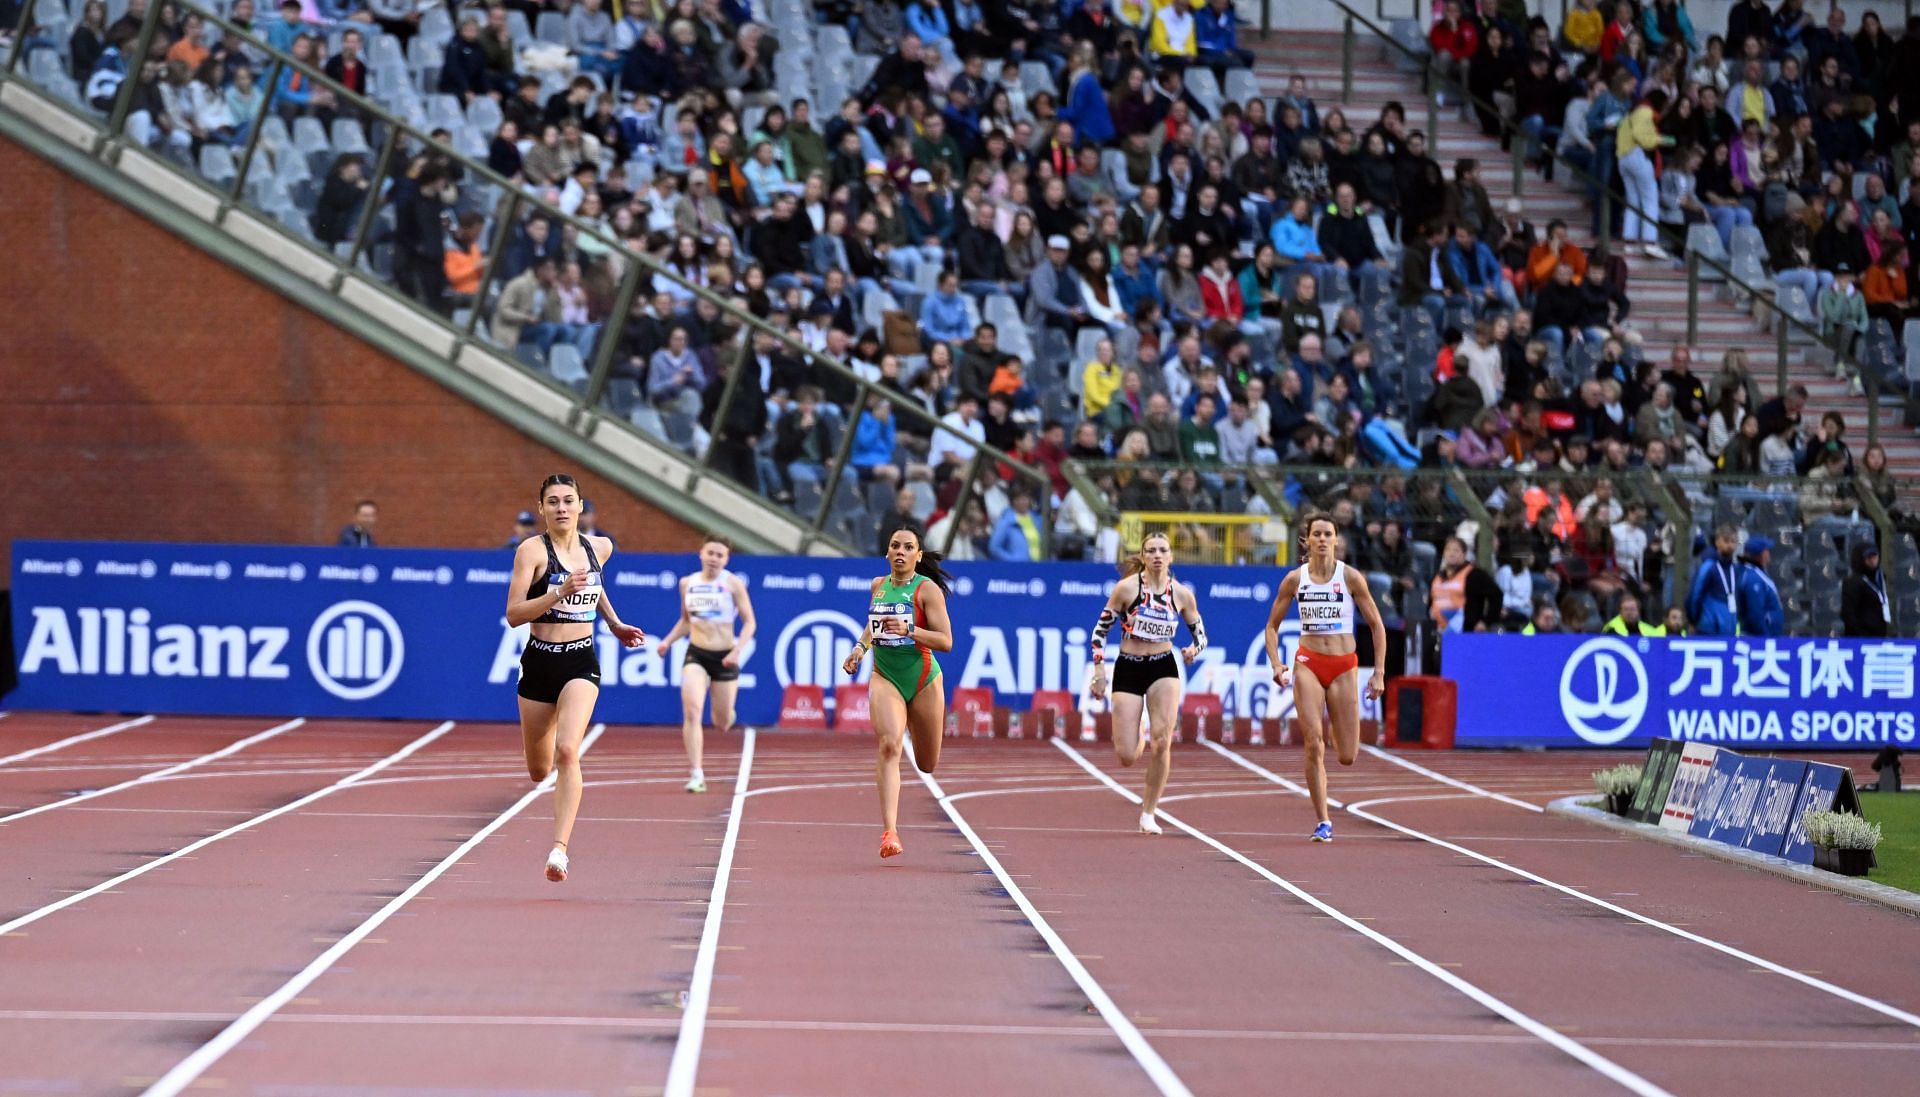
(557, 589)
(711, 600)
(1324, 679)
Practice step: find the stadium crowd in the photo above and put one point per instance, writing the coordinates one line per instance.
(1084, 232)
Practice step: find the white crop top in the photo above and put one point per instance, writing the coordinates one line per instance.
(1326, 609)
(711, 600)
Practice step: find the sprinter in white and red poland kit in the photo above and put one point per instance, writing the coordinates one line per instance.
(1324, 675)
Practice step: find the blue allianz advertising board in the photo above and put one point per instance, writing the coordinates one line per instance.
(422, 634)
(1588, 691)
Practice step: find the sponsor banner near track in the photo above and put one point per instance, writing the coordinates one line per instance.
(1696, 762)
(402, 633)
(1826, 787)
(1586, 691)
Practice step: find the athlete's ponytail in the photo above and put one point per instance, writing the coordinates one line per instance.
(929, 568)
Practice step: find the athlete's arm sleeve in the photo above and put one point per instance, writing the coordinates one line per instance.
(1100, 627)
(1199, 630)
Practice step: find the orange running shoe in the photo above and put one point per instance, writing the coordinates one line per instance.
(890, 844)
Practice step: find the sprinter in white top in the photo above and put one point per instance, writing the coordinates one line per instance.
(1325, 680)
(1148, 604)
(711, 600)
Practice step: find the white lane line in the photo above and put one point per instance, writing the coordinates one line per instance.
(187, 1071)
(1162, 1075)
(685, 1066)
(1358, 810)
(139, 721)
(1446, 780)
(158, 774)
(1252, 766)
(294, 805)
(1876, 1005)
(1599, 1063)
(430, 1020)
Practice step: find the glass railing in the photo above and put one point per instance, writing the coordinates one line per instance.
(360, 195)
(1784, 324)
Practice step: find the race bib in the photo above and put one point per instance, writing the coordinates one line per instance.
(1154, 628)
(881, 612)
(706, 603)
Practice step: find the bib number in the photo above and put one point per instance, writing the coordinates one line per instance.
(704, 604)
(882, 612)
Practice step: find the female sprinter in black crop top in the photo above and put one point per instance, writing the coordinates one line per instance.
(557, 589)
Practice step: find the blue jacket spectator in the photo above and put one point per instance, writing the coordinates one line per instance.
(874, 436)
(929, 21)
(1711, 601)
(1294, 239)
(1135, 287)
(1087, 110)
(1016, 536)
(1478, 269)
(943, 314)
(281, 32)
(1217, 37)
(1761, 613)
(1660, 27)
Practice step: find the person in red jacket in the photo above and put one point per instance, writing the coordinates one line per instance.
(1220, 291)
(1455, 39)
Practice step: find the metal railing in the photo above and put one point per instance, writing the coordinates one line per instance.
(1783, 323)
(398, 142)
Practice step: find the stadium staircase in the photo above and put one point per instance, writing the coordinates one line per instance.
(547, 401)
(1658, 291)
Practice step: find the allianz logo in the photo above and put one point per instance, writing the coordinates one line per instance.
(335, 573)
(488, 576)
(291, 573)
(1075, 588)
(354, 649)
(50, 567)
(654, 580)
(1233, 592)
(126, 569)
(182, 569)
(793, 582)
(1032, 588)
(440, 575)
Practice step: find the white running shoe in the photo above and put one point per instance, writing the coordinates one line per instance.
(696, 783)
(557, 864)
(1148, 824)
(1655, 251)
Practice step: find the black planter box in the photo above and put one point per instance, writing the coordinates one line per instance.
(1619, 802)
(1846, 862)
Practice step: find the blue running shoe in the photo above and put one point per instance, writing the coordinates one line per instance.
(1323, 832)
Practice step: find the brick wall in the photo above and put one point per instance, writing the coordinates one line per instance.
(150, 392)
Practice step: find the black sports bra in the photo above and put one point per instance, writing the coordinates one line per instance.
(579, 608)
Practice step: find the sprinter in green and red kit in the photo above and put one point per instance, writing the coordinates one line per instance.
(906, 623)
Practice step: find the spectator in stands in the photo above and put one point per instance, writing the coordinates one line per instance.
(1760, 612)
(1864, 607)
(1827, 490)
(1017, 534)
(359, 532)
(1475, 266)
(943, 313)
(1463, 598)
(1713, 600)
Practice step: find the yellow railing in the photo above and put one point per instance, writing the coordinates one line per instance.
(1209, 538)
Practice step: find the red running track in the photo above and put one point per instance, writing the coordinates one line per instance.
(1449, 955)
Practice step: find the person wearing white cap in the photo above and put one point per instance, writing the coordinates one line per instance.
(1055, 296)
(929, 220)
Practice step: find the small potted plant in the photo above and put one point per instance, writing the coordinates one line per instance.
(1617, 784)
(1842, 841)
